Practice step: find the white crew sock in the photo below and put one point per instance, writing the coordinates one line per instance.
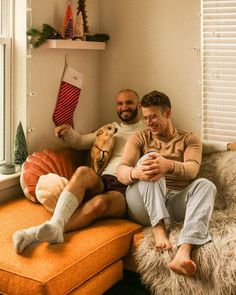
(52, 231)
(23, 238)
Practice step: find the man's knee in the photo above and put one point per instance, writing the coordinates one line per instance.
(208, 184)
(208, 187)
(111, 204)
(85, 174)
(83, 171)
(145, 156)
(97, 207)
(100, 206)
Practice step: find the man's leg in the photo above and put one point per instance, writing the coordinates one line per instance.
(109, 204)
(194, 205)
(84, 181)
(146, 205)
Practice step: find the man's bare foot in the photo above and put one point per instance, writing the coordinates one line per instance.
(182, 262)
(161, 237)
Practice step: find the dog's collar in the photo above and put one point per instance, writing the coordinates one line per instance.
(102, 153)
(101, 149)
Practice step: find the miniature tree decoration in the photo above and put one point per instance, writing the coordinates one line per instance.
(68, 23)
(82, 8)
(79, 26)
(20, 146)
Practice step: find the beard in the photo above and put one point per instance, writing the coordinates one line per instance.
(133, 115)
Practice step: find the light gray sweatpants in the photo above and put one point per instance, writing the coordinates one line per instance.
(149, 202)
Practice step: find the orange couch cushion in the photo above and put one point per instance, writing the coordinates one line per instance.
(59, 268)
(129, 259)
(104, 280)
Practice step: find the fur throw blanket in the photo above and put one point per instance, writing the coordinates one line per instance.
(216, 272)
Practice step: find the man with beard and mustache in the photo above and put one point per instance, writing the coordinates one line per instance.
(105, 194)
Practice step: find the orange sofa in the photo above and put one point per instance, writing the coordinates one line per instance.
(89, 261)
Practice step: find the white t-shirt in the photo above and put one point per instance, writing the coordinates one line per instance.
(82, 142)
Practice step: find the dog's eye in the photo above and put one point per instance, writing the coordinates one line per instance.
(109, 128)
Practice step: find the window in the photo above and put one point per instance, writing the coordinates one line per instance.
(219, 70)
(5, 79)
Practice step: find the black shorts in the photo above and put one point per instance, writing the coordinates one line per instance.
(112, 184)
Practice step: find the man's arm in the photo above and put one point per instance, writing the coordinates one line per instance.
(192, 157)
(152, 168)
(130, 157)
(156, 166)
(231, 146)
(75, 139)
(216, 146)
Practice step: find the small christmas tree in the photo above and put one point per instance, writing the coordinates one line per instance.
(20, 146)
(68, 23)
(79, 26)
(82, 8)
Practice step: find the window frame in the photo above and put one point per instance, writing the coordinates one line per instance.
(6, 41)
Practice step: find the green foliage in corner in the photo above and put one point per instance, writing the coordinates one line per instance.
(37, 37)
(98, 37)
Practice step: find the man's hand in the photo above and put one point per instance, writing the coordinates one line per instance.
(153, 168)
(62, 130)
(231, 146)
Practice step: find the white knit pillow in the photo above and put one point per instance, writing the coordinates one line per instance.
(48, 190)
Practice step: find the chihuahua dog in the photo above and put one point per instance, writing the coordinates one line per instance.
(102, 148)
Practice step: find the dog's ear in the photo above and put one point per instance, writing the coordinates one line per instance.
(100, 131)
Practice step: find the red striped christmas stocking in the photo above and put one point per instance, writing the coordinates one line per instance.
(68, 96)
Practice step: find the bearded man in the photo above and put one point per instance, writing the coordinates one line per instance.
(88, 196)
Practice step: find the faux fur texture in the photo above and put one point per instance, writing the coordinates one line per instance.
(216, 272)
(220, 168)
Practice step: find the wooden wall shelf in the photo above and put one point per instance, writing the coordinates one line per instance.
(74, 44)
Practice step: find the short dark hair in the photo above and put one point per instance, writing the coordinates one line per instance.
(156, 98)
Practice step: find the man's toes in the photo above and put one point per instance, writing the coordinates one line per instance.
(190, 267)
(18, 241)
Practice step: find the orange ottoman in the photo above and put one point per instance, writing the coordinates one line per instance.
(88, 262)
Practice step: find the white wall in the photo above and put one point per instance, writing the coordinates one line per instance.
(152, 47)
(44, 72)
